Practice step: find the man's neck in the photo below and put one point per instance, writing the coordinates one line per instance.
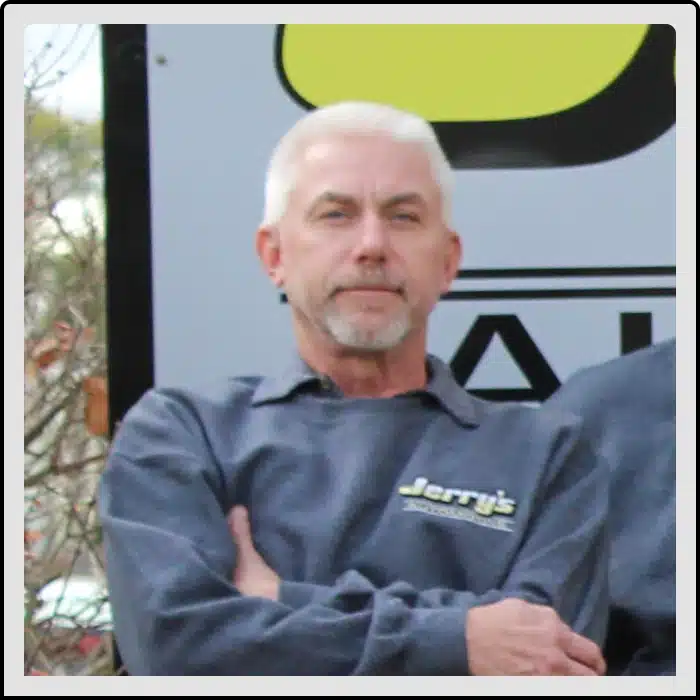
(370, 374)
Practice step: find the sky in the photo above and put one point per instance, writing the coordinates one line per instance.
(76, 50)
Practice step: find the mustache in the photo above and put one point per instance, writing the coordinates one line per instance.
(368, 280)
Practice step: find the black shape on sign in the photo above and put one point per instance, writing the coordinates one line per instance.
(635, 331)
(493, 294)
(612, 282)
(543, 381)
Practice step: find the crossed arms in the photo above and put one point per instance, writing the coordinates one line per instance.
(185, 601)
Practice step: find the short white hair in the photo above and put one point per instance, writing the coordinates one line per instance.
(351, 117)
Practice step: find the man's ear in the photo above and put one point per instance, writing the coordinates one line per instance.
(267, 245)
(453, 258)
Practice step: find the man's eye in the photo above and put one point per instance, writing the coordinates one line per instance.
(333, 214)
(406, 216)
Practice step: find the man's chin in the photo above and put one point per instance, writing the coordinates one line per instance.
(366, 336)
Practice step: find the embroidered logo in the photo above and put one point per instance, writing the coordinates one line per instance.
(492, 510)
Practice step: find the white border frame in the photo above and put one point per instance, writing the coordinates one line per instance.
(681, 15)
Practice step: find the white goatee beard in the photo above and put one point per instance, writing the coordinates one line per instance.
(352, 336)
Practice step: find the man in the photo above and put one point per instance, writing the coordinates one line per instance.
(402, 526)
(628, 406)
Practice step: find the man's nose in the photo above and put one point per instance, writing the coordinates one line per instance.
(373, 239)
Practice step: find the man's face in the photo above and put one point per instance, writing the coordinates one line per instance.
(362, 250)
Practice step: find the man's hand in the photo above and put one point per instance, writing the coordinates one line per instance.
(252, 576)
(516, 638)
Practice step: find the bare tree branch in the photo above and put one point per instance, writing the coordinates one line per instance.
(64, 469)
(65, 368)
(42, 67)
(38, 63)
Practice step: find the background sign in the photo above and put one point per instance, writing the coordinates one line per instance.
(562, 138)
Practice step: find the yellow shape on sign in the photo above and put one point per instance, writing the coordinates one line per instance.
(461, 72)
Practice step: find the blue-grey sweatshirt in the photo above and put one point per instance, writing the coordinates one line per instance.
(628, 407)
(386, 519)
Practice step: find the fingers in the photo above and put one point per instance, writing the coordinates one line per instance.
(240, 529)
(583, 651)
(573, 668)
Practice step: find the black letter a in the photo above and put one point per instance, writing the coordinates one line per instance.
(543, 381)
